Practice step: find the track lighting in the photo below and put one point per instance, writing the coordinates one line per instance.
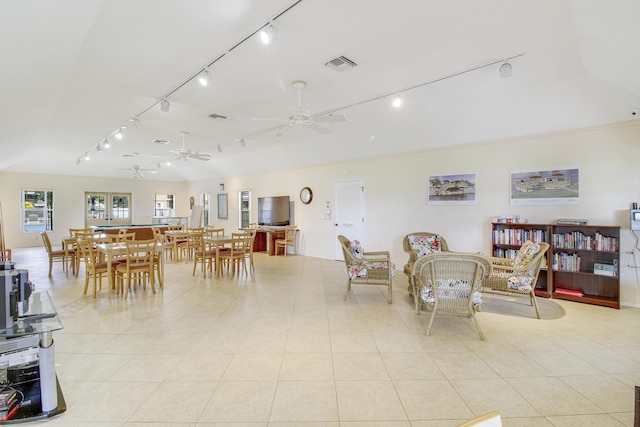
(78, 160)
(268, 34)
(106, 143)
(119, 134)
(135, 121)
(505, 70)
(397, 101)
(164, 105)
(243, 143)
(205, 77)
(86, 157)
(98, 148)
(168, 163)
(219, 148)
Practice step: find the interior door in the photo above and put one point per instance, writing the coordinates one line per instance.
(348, 212)
(107, 208)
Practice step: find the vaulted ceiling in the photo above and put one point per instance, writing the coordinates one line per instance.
(74, 71)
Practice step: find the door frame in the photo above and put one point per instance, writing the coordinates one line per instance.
(360, 182)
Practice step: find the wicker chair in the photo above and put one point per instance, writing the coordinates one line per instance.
(369, 268)
(457, 278)
(518, 276)
(435, 242)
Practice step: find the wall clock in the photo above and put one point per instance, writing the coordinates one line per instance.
(306, 195)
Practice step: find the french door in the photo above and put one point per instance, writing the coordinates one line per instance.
(107, 208)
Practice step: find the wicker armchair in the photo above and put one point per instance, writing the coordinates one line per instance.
(366, 268)
(418, 244)
(518, 277)
(449, 282)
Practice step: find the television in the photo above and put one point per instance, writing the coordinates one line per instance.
(273, 210)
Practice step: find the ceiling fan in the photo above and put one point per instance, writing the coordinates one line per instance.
(303, 117)
(184, 153)
(139, 171)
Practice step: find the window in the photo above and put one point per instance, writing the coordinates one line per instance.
(244, 209)
(204, 202)
(37, 211)
(163, 206)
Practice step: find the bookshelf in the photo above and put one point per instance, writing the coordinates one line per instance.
(585, 264)
(506, 241)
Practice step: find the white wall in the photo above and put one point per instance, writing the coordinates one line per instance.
(69, 204)
(396, 188)
(396, 192)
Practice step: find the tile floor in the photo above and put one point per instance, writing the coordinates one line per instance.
(283, 349)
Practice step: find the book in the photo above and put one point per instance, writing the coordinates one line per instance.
(604, 269)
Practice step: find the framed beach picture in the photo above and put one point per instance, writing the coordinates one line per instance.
(455, 189)
(545, 186)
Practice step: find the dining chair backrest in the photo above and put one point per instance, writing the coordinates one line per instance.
(73, 232)
(140, 252)
(123, 237)
(47, 241)
(87, 251)
(215, 231)
(178, 227)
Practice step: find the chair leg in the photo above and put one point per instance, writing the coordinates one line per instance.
(473, 316)
(348, 289)
(50, 265)
(433, 315)
(532, 296)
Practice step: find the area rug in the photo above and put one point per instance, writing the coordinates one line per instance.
(521, 307)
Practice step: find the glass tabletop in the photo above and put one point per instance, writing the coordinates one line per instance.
(37, 315)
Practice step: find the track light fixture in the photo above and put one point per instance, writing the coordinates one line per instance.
(78, 160)
(119, 134)
(219, 148)
(164, 105)
(86, 156)
(397, 101)
(135, 121)
(98, 148)
(106, 143)
(242, 142)
(205, 77)
(268, 33)
(505, 70)
(168, 163)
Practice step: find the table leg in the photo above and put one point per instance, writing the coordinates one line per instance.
(110, 273)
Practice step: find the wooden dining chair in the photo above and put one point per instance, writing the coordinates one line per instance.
(187, 247)
(251, 235)
(203, 254)
(58, 255)
(234, 256)
(289, 240)
(137, 268)
(94, 268)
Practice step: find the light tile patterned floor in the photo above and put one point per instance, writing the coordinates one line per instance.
(283, 349)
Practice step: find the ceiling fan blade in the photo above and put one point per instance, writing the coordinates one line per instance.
(283, 129)
(318, 128)
(197, 156)
(330, 118)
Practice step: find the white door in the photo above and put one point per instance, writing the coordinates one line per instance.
(348, 212)
(107, 208)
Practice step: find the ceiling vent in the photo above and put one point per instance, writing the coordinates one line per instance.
(161, 141)
(341, 63)
(215, 116)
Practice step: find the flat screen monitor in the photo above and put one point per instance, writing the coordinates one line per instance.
(273, 210)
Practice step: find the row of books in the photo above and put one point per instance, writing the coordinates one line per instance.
(518, 236)
(570, 292)
(578, 240)
(563, 261)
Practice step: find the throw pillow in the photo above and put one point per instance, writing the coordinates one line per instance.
(526, 253)
(423, 245)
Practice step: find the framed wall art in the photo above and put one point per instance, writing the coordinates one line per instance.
(456, 189)
(222, 206)
(545, 186)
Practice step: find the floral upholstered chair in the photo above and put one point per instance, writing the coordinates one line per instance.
(518, 276)
(417, 245)
(367, 268)
(449, 283)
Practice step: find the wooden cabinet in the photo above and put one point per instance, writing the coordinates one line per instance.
(507, 239)
(585, 264)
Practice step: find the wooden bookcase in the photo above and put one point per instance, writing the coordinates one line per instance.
(508, 237)
(577, 253)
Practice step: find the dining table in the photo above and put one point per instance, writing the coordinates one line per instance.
(175, 237)
(111, 250)
(69, 244)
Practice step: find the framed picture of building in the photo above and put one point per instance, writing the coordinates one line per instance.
(456, 189)
(559, 186)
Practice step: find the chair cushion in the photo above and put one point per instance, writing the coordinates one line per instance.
(358, 270)
(521, 283)
(526, 253)
(424, 245)
(450, 288)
